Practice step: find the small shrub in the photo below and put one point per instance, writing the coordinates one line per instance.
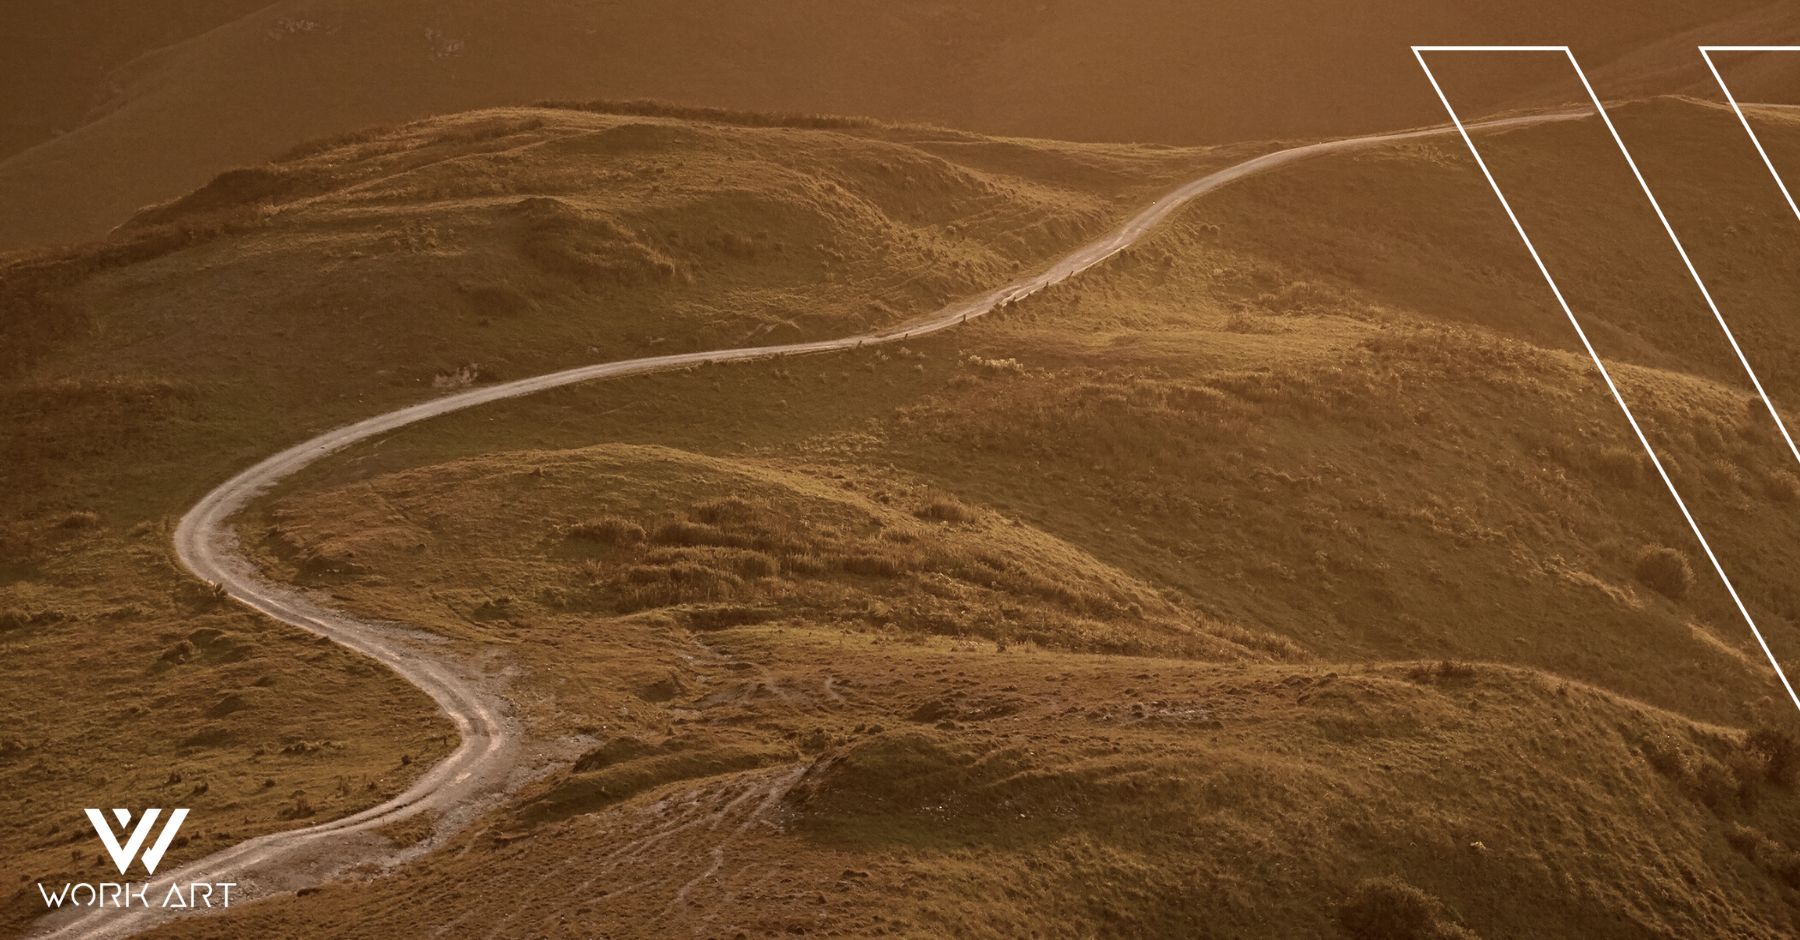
(1444, 670)
(1779, 753)
(1666, 758)
(1714, 785)
(1665, 571)
(731, 509)
(942, 508)
(688, 533)
(80, 520)
(179, 652)
(1620, 466)
(874, 566)
(1747, 841)
(1781, 487)
(681, 582)
(462, 376)
(994, 366)
(1779, 861)
(1748, 774)
(607, 530)
(300, 808)
(1391, 909)
(756, 565)
(806, 564)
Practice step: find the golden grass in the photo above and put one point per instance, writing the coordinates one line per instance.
(367, 272)
(1023, 806)
(1280, 441)
(1292, 554)
(126, 685)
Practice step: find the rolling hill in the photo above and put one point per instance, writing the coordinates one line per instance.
(366, 272)
(1297, 552)
(237, 82)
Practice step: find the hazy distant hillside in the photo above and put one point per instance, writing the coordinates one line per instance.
(1148, 70)
(60, 71)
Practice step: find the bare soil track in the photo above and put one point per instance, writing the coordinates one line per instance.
(482, 767)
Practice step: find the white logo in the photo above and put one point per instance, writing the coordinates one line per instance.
(123, 854)
(124, 894)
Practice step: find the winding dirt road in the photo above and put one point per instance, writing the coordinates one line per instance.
(481, 768)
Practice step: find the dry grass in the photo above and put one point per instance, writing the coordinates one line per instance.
(1381, 471)
(1018, 808)
(941, 507)
(181, 701)
(536, 219)
(551, 237)
(1206, 610)
(780, 545)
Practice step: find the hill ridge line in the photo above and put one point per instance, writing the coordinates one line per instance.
(478, 771)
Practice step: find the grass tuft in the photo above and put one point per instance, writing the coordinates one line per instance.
(1665, 571)
(607, 530)
(944, 508)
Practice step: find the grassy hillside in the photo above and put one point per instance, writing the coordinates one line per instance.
(359, 274)
(1170, 799)
(382, 267)
(128, 685)
(1295, 554)
(1146, 70)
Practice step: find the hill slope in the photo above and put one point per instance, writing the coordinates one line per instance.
(63, 62)
(1296, 547)
(375, 268)
(1146, 70)
(1293, 548)
(358, 275)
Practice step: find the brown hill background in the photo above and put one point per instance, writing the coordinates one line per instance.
(108, 107)
(1295, 553)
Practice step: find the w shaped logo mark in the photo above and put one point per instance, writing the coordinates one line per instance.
(123, 854)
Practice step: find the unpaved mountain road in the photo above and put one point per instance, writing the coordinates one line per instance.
(483, 766)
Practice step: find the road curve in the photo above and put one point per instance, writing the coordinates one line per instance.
(478, 770)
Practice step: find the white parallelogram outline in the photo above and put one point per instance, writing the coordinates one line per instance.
(1706, 53)
(1419, 53)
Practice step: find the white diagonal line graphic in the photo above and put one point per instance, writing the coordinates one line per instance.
(1706, 53)
(1686, 261)
(1556, 290)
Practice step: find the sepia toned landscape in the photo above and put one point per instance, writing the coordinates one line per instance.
(898, 470)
